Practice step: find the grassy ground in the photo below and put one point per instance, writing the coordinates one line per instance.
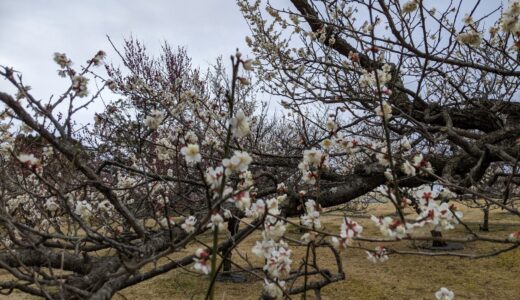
(401, 277)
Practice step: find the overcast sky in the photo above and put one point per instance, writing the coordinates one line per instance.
(32, 30)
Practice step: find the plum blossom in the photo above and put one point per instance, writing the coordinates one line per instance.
(28, 159)
(51, 205)
(309, 237)
(274, 289)
(202, 261)
(191, 153)
(349, 230)
(240, 125)
(257, 209)
(313, 159)
(312, 217)
(217, 222)
(509, 21)
(62, 60)
(274, 228)
(79, 85)
(383, 158)
(154, 119)
(332, 125)
(189, 224)
(419, 162)
(384, 110)
(310, 177)
(263, 248)
(390, 227)
(408, 168)
(388, 174)
(83, 209)
(239, 162)
(278, 263)
(409, 6)
(440, 216)
(444, 294)
(242, 200)
(406, 143)
(327, 144)
(248, 64)
(98, 58)
(448, 215)
(379, 255)
(214, 177)
(514, 237)
(425, 194)
(471, 38)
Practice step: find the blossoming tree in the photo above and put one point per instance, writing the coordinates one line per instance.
(378, 95)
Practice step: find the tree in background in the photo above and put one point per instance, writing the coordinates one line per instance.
(414, 103)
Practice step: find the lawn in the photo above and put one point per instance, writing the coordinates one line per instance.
(401, 277)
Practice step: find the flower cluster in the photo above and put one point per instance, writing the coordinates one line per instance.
(240, 125)
(83, 209)
(509, 21)
(28, 159)
(390, 227)
(62, 60)
(191, 153)
(409, 6)
(349, 230)
(202, 261)
(472, 38)
(272, 248)
(154, 119)
(239, 162)
(311, 220)
(189, 224)
(369, 79)
(384, 110)
(79, 85)
(256, 210)
(217, 221)
(442, 216)
(379, 255)
(313, 161)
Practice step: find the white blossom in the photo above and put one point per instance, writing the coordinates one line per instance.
(239, 162)
(409, 6)
(202, 261)
(79, 85)
(28, 159)
(83, 209)
(408, 168)
(240, 125)
(444, 294)
(384, 110)
(274, 290)
(471, 37)
(379, 255)
(51, 205)
(154, 119)
(191, 153)
(189, 224)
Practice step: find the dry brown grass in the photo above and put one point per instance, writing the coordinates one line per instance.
(401, 277)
